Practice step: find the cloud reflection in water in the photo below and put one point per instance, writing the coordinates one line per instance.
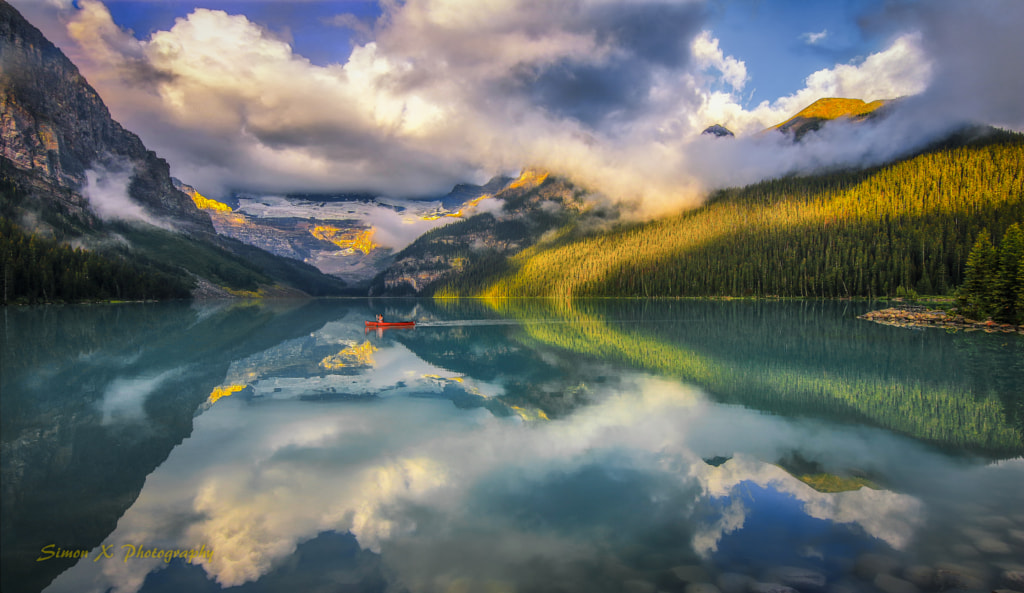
(445, 494)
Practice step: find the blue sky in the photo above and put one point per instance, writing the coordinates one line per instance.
(305, 23)
(784, 41)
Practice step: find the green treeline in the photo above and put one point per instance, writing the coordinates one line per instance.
(906, 226)
(35, 270)
(994, 282)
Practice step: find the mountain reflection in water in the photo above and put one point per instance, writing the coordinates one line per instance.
(517, 446)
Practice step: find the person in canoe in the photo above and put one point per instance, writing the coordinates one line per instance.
(379, 322)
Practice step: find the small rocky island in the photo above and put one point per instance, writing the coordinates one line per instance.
(919, 316)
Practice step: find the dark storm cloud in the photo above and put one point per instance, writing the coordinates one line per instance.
(652, 32)
(641, 39)
(140, 72)
(589, 93)
(340, 141)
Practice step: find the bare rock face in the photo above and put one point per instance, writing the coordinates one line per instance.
(55, 128)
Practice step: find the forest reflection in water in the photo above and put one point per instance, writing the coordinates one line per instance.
(512, 446)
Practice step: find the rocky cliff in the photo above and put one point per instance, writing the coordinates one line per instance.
(55, 129)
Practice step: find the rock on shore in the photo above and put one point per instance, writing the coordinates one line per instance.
(923, 317)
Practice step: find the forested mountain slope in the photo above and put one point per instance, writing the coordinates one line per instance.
(909, 225)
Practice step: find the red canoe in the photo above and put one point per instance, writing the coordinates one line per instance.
(390, 323)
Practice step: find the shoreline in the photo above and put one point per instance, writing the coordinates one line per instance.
(919, 316)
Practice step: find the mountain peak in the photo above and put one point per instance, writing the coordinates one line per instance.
(835, 107)
(815, 115)
(718, 130)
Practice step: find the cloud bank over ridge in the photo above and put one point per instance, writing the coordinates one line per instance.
(610, 94)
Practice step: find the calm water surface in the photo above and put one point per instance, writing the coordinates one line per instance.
(606, 446)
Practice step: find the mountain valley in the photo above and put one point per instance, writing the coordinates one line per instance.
(337, 234)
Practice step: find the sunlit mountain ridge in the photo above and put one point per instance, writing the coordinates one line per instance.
(352, 241)
(835, 108)
(817, 114)
(201, 201)
(906, 226)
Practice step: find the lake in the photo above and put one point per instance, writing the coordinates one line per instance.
(514, 446)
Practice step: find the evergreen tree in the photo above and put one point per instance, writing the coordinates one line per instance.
(1011, 250)
(976, 295)
(40, 270)
(1020, 290)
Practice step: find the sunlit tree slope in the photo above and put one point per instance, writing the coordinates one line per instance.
(906, 226)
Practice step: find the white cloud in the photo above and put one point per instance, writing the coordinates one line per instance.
(231, 105)
(814, 38)
(107, 192)
(125, 397)
(708, 55)
(446, 92)
(900, 70)
(975, 52)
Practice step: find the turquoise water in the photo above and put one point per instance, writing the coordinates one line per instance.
(610, 446)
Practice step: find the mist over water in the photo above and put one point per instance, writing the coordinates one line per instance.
(611, 445)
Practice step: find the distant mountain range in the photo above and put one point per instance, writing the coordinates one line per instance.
(336, 233)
